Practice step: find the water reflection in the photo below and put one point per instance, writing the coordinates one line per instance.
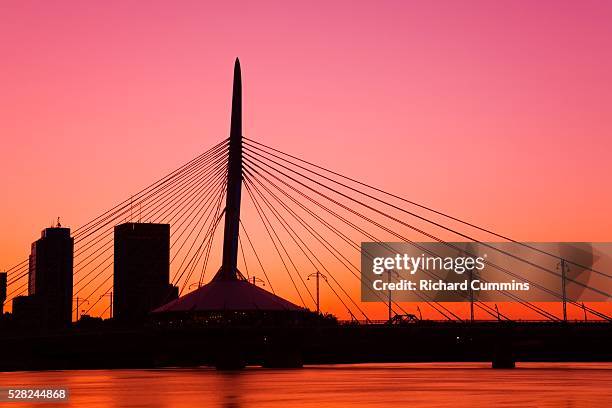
(230, 388)
(370, 385)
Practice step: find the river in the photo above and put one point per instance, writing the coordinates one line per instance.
(364, 385)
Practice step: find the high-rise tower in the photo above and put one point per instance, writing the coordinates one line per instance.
(141, 270)
(50, 277)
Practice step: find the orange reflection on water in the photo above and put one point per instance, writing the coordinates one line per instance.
(366, 385)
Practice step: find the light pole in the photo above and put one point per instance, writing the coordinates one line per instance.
(470, 270)
(564, 270)
(110, 294)
(389, 272)
(317, 275)
(79, 301)
(255, 280)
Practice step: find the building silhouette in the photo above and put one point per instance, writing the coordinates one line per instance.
(49, 300)
(142, 270)
(2, 292)
(27, 312)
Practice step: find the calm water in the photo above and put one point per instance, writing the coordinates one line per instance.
(369, 385)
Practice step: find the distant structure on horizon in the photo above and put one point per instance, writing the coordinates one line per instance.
(142, 270)
(49, 300)
(2, 292)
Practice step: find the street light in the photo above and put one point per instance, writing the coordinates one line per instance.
(79, 301)
(317, 275)
(255, 280)
(110, 294)
(389, 272)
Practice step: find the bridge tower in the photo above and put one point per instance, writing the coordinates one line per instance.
(229, 266)
(229, 292)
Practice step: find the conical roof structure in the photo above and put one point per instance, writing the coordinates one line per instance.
(229, 290)
(229, 295)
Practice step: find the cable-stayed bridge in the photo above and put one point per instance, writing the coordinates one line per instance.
(279, 218)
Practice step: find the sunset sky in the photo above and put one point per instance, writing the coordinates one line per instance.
(496, 112)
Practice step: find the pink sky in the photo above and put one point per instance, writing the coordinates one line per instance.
(497, 112)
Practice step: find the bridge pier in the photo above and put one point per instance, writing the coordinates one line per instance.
(283, 358)
(283, 349)
(229, 349)
(503, 351)
(229, 359)
(503, 358)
